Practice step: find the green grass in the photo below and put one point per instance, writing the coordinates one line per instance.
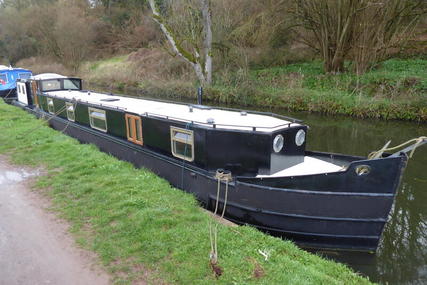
(107, 62)
(396, 89)
(399, 76)
(136, 222)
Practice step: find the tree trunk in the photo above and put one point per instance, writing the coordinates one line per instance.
(203, 71)
(207, 23)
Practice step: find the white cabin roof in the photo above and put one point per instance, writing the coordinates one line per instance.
(3, 67)
(224, 119)
(43, 76)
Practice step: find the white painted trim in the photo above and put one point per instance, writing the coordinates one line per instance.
(21, 92)
(49, 101)
(90, 110)
(67, 106)
(173, 131)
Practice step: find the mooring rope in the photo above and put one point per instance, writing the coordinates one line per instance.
(10, 92)
(378, 153)
(221, 175)
(68, 122)
(42, 118)
(187, 127)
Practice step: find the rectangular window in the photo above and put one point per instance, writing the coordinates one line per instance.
(134, 129)
(3, 79)
(72, 84)
(50, 106)
(182, 143)
(98, 119)
(25, 75)
(49, 85)
(70, 111)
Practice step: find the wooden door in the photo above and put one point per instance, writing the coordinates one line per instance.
(34, 93)
(134, 129)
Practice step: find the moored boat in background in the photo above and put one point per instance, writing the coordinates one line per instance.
(8, 78)
(322, 200)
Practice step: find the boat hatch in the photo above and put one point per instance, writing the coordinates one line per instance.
(110, 99)
(182, 143)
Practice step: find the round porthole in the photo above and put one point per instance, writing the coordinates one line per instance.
(278, 143)
(300, 138)
(363, 170)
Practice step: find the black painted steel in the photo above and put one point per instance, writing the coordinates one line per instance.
(340, 211)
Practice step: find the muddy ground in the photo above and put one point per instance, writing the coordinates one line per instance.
(35, 246)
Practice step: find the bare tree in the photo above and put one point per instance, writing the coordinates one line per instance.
(384, 28)
(63, 31)
(202, 64)
(361, 30)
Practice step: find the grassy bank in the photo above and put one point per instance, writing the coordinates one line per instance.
(395, 89)
(141, 227)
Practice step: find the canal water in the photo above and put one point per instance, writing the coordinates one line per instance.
(402, 255)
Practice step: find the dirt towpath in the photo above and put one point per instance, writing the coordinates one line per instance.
(35, 247)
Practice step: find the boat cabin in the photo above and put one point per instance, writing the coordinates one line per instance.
(8, 78)
(244, 142)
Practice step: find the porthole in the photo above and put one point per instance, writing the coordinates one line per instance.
(300, 138)
(278, 143)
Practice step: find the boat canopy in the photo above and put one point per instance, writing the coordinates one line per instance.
(9, 75)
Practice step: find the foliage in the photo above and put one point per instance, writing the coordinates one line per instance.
(362, 30)
(142, 228)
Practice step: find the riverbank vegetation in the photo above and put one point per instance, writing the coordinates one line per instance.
(359, 58)
(142, 228)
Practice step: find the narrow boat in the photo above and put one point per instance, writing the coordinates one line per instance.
(8, 77)
(321, 200)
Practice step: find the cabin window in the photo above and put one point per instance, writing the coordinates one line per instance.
(134, 129)
(25, 75)
(50, 106)
(182, 143)
(70, 111)
(3, 79)
(72, 84)
(98, 119)
(49, 85)
(23, 89)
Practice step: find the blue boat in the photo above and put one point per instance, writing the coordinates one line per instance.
(8, 77)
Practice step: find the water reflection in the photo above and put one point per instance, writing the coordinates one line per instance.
(402, 255)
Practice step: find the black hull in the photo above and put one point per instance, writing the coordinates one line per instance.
(347, 220)
(8, 95)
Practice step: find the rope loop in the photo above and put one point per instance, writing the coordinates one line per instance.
(221, 175)
(417, 141)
